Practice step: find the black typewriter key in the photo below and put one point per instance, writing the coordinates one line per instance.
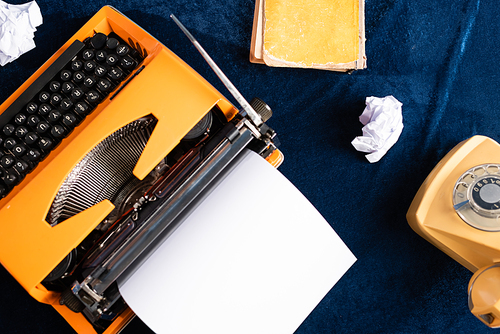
(122, 50)
(115, 73)
(55, 99)
(67, 87)
(33, 154)
(19, 150)
(77, 65)
(7, 161)
(54, 116)
(21, 166)
(77, 93)
(112, 60)
(69, 120)
(127, 63)
(9, 143)
(66, 75)
(93, 96)
(44, 109)
(78, 77)
(100, 71)
(101, 56)
(8, 129)
(89, 66)
(89, 82)
(57, 131)
(112, 43)
(33, 120)
(42, 127)
(88, 54)
(10, 178)
(81, 108)
(31, 138)
(31, 107)
(66, 104)
(45, 143)
(54, 86)
(21, 131)
(104, 85)
(3, 190)
(44, 97)
(98, 41)
(20, 119)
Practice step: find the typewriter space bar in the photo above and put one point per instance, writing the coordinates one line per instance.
(40, 82)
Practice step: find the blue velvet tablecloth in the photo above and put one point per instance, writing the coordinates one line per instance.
(439, 58)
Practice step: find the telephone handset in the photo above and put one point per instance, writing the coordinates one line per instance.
(457, 209)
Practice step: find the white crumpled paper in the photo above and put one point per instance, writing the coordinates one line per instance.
(383, 123)
(17, 26)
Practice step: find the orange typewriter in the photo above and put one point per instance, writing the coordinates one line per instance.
(116, 136)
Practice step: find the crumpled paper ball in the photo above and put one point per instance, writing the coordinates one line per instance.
(383, 124)
(17, 27)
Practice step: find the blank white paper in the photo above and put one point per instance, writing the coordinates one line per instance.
(254, 257)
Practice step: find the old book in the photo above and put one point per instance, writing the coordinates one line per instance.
(321, 34)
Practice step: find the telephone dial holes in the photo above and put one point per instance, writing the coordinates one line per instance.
(468, 178)
(461, 188)
(478, 171)
(493, 169)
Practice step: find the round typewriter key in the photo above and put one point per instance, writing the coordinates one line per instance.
(66, 75)
(67, 87)
(69, 120)
(104, 85)
(57, 131)
(112, 43)
(45, 143)
(81, 108)
(33, 154)
(89, 82)
(101, 55)
(76, 65)
(127, 63)
(7, 161)
(21, 166)
(55, 99)
(33, 120)
(9, 143)
(20, 119)
(115, 73)
(31, 107)
(122, 50)
(42, 127)
(8, 129)
(93, 96)
(77, 93)
(66, 104)
(54, 86)
(31, 138)
(111, 60)
(78, 77)
(98, 41)
(3, 190)
(100, 71)
(54, 116)
(89, 66)
(19, 150)
(10, 178)
(88, 54)
(44, 97)
(21, 131)
(44, 109)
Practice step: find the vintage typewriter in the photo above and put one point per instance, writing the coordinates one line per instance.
(108, 142)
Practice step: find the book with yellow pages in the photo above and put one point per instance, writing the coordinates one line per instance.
(321, 34)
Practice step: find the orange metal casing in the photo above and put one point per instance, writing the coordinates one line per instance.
(29, 247)
(433, 217)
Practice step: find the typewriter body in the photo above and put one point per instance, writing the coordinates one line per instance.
(103, 147)
(457, 209)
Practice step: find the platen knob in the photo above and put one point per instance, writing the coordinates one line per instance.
(261, 108)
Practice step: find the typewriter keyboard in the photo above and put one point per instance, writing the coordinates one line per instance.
(58, 100)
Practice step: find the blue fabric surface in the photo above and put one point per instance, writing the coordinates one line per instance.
(439, 58)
